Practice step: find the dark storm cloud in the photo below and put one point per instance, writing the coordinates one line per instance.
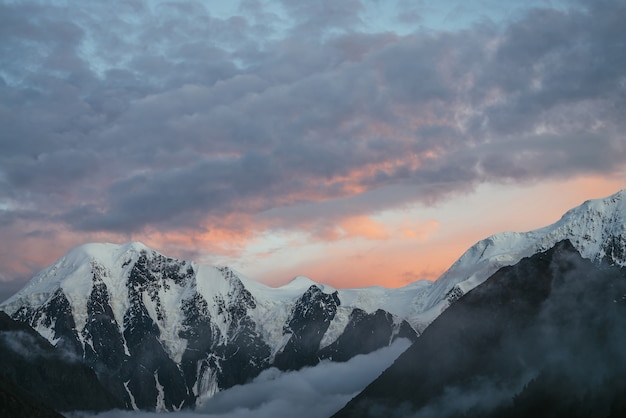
(122, 116)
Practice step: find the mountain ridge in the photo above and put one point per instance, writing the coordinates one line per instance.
(596, 228)
(168, 333)
(543, 337)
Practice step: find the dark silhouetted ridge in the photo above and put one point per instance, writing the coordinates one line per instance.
(544, 337)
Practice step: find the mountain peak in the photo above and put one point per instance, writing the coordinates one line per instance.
(303, 283)
(596, 228)
(69, 272)
(198, 317)
(614, 204)
(534, 336)
(106, 251)
(205, 328)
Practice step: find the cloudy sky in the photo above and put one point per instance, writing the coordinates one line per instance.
(357, 142)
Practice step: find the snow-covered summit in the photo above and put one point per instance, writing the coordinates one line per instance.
(77, 262)
(211, 327)
(205, 327)
(302, 283)
(596, 228)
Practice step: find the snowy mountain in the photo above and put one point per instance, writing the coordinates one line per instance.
(597, 229)
(163, 333)
(542, 338)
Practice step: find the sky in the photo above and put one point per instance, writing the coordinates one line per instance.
(359, 143)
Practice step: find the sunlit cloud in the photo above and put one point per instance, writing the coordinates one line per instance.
(410, 229)
(219, 131)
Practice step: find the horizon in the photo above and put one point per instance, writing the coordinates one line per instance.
(5, 295)
(357, 144)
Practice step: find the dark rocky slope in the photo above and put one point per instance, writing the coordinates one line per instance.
(544, 337)
(37, 377)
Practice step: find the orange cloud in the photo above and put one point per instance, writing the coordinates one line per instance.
(362, 226)
(413, 250)
(395, 265)
(355, 251)
(410, 229)
(227, 236)
(230, 236)
(35, 245)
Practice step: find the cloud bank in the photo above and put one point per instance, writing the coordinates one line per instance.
(186, 119)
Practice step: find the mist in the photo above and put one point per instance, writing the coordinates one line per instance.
(545, 337)
(312, 392)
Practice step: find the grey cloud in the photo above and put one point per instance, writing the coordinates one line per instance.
(412, 69)
(554, 155)
(553, 60)
(525, 158)
(142, 118)
(315, 19)
(53, 171)
(182, 196)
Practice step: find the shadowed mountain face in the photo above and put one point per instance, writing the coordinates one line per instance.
(17, 403)
(544, 337)
(36, 377)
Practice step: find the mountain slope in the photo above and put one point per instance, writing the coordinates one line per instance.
(597, 229)
(164, 334)
(33, 372)
(544, 337)
(17, 403)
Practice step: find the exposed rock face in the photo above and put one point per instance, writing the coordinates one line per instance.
(366, 333)
(163, 334)
(309, 320)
